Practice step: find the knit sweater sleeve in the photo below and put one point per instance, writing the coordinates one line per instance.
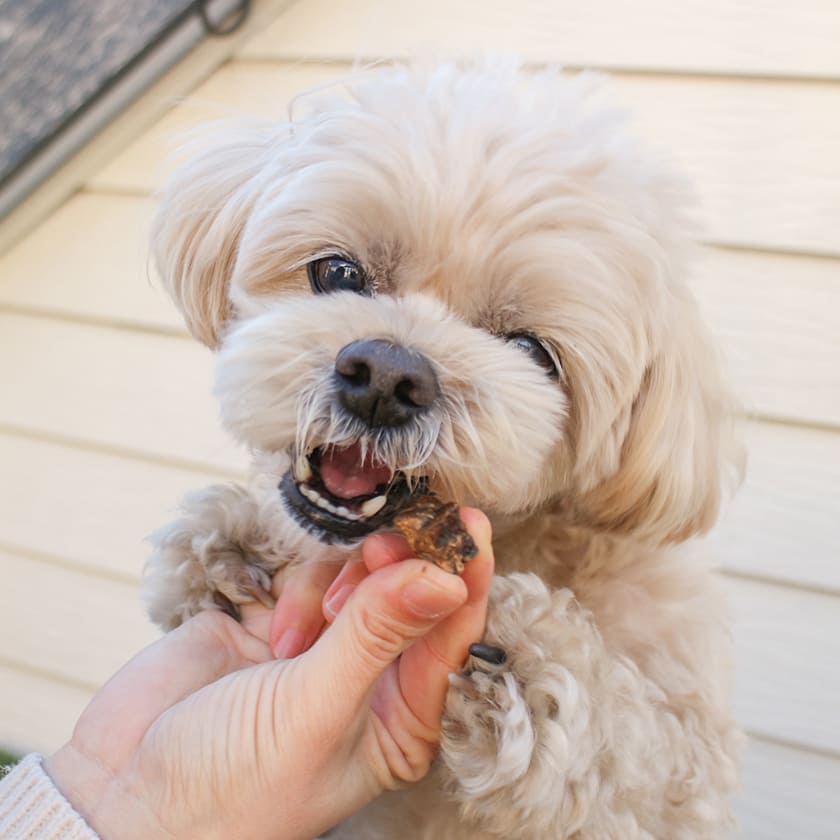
(31, 807)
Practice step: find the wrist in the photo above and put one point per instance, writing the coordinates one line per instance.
(99, 796)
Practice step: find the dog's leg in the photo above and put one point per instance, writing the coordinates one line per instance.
(565, 738)
(208, 558)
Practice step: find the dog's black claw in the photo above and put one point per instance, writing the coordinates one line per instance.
(226, 605)
(489, 653)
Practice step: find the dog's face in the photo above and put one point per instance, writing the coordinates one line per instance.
(466, 279)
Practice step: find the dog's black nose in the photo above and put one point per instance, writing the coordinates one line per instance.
(382, 383)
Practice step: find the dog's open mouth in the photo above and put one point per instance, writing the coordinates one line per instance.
(340, 497)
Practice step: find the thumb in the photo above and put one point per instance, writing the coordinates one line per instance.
(384, 614)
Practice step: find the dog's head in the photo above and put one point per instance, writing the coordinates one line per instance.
(466, 278)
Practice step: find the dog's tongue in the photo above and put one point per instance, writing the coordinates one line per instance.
(345, 476)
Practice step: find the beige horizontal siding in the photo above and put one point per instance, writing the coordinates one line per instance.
(238, 89)
(106, 415)
(778, 319)
(777, 316)
(767, 175)
(787, 643)
(763, 37)
(788, 794)
(111, 388)
(760, 152)
(86, 625)
(798, 368)
(94, 509)
(103, 271)
(37, 712)
(784, 523)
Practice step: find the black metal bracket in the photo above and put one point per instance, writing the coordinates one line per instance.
(229, 24)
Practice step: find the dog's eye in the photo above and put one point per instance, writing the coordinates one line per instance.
(336, 274)
(536, 350)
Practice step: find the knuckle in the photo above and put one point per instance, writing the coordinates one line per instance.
(212, 622)
(380, 635)
(418, 762)
(216, 627)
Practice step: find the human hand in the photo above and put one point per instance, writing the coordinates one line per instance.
(205, 735)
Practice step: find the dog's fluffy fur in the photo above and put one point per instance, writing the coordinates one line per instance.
(484, 201)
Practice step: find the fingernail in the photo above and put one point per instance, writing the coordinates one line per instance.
(290, 644)
(429, 598)
(337, 601)
(480, 524)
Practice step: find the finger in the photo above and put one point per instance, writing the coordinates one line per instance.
(353, 573)
(386, 612)
(379, 550)
(297, 619)
(256, 619)
(423, 673)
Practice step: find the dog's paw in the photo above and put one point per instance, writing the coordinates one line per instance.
(236, 578)
(202, 560)
(511, 714)
(487, 736)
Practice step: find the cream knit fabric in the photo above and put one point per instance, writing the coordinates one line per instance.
(31, 808)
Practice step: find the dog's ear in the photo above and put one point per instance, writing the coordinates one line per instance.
(679, 451)
(201, 215)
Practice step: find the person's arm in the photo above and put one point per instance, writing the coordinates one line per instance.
(32, 808)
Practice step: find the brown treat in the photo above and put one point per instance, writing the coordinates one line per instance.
(434, 532)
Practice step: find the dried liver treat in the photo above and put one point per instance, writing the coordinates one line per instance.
(435, 532)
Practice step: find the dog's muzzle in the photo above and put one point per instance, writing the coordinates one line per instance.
(341, 493)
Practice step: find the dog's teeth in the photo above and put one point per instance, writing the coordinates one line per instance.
(372, 506)
(328, 505)
(303, 472)
(314, 496)
(317, 499)
(309, 493)
(323, 503)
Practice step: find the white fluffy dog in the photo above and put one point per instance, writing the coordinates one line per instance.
(472, 279)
